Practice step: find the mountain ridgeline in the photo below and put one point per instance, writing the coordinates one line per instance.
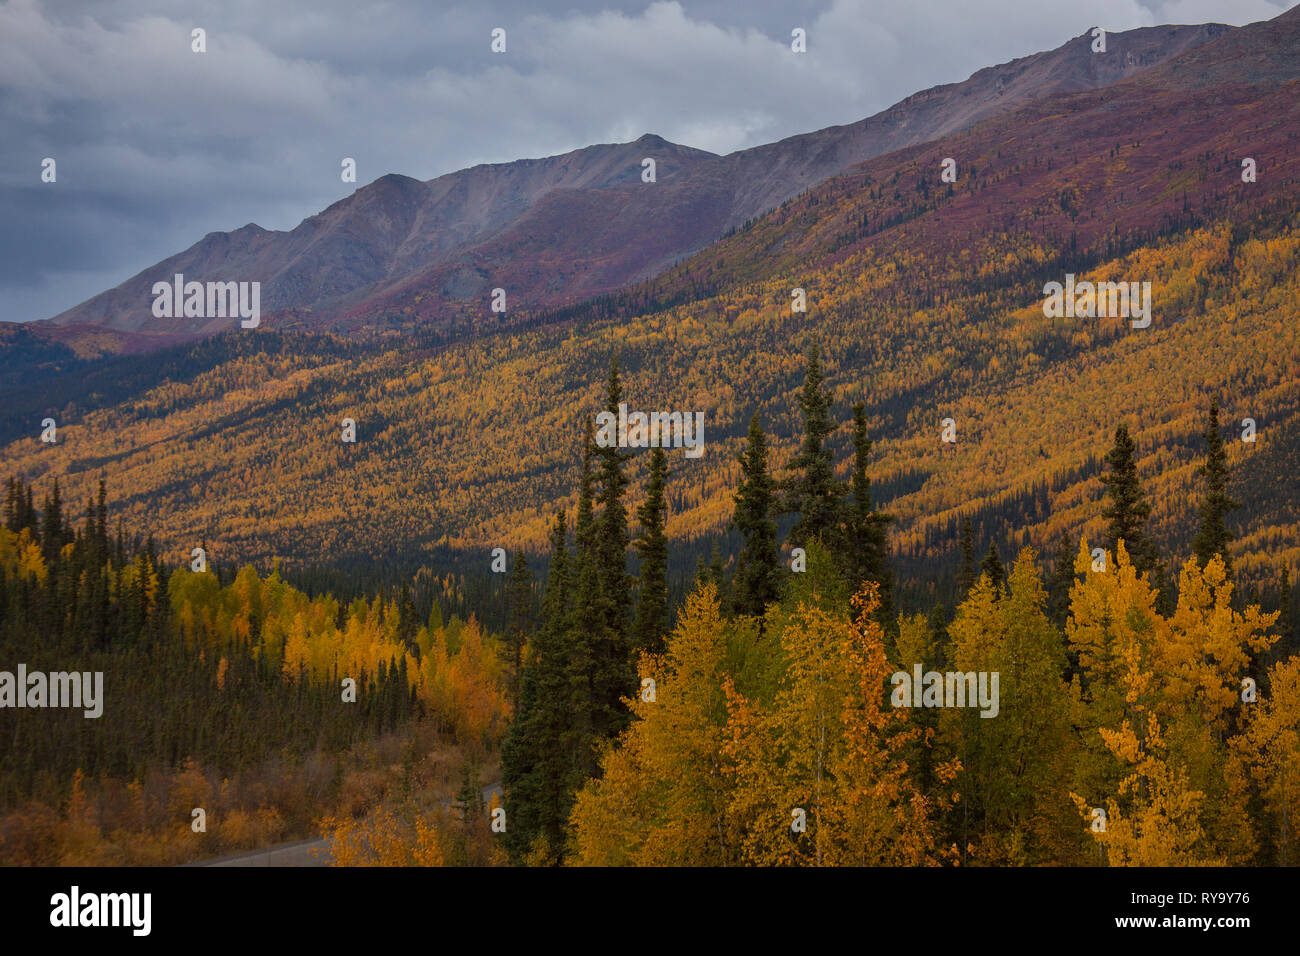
(559, 230)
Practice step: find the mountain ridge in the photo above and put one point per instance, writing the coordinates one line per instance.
(561, 229)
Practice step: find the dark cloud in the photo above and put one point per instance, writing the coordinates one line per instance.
(157, 146)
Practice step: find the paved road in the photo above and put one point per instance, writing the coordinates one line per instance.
(308, 852)
(302, 853)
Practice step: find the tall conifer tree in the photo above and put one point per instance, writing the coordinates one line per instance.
(758, 580)
(651, 622)
(994, 568)
(1128, 510)
(408, 622)
(537, 770)
(587, 624)
(812, 489)
(966, 574)
(13, 504)
(615, 673)
(101, 518)
(866, 544)
(519, 601)
(1060, 582)
(52, 526)
(1213, 535)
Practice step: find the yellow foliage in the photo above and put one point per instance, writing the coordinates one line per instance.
(384, 838)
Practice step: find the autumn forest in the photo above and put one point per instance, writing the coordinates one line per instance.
(1140, 719)
(953, 580)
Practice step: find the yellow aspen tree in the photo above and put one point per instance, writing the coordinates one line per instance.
(1209, 645)
(876, 814)
(760, 810)
(821, 775)
(975, 621)
(1019, 757)
(662, 797)
(1113, 620)
(782, 753)
(1269, 752)
(384, 838)
(297, 650)
(1154, 817)
(1201, 662)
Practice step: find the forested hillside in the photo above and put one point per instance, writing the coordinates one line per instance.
(220, 690)
(925, 297)
(1106, 715)
(860, 536)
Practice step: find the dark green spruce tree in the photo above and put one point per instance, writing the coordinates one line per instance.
(537, 770)
(966, 573)
(13, 505)
(615, 673)
(716, 574)
(1212, 536)
(101, 519)
(811, 489)
(587, 626)
(1061, 580)
(993, 567)
(866, 541)
(52, 529)
(651, 621)
(1128, 510)
(408, 622)
(519, 605)
(758, 568)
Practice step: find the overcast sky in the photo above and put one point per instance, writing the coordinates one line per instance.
(156, 146)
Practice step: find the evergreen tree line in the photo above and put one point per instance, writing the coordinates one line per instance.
(594, 624)
(74, 597)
